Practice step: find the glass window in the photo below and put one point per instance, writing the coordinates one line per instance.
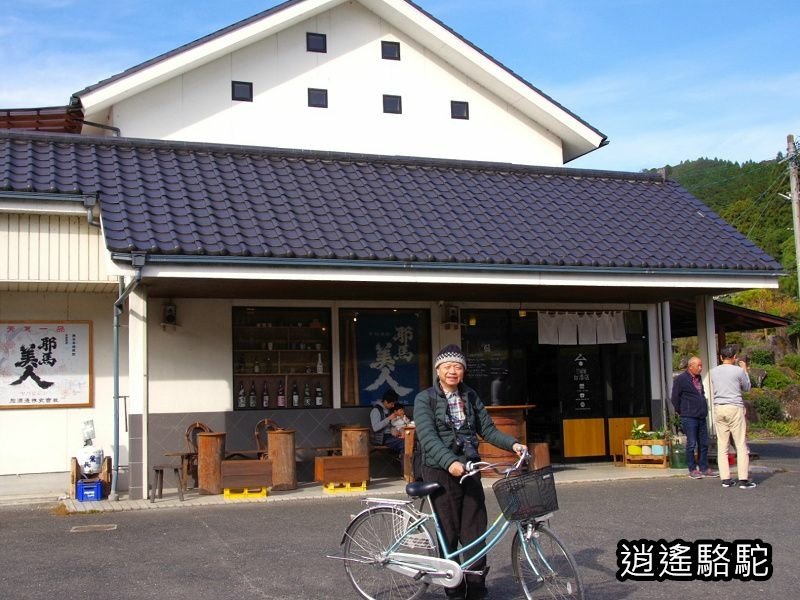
(242, 91)
(381, 349)
(459, 110)
(317, 98)
(316, 42)
(390, 50)
(392, 104)
(281, 358)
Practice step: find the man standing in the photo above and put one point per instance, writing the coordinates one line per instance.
(689, 402)
(728, 381)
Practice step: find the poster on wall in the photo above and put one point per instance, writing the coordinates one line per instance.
(46, 364)
(387, 356)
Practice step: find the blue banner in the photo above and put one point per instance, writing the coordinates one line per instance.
(387, 356)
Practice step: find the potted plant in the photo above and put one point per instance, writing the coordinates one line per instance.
(646, 448)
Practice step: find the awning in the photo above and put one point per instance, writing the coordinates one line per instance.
(727, 318)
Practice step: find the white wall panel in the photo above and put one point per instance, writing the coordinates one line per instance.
(197, 105)
(48, 248)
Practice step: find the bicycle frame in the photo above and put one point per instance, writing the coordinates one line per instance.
(489, 538)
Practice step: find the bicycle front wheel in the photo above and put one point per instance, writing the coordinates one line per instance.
(543, 566)
(366, 540)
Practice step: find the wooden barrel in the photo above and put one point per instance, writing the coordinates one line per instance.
(280, 443)
(355, 441)
(510, 420)
(210, 452)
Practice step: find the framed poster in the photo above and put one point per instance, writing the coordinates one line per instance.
(46, 364)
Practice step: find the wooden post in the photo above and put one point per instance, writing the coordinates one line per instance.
(355, 441)
(408, 452)
(281, 453)
(210, 452)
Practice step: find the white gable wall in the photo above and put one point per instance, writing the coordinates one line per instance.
(197, 105)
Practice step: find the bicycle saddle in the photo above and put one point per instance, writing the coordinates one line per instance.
(418, 489)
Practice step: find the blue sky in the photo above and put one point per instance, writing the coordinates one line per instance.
(665, 81)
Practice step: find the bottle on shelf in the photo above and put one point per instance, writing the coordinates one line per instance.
(257, 366)
(307, 401)
(241, 396)
(295, 396)
(252, 398)
(265, 396)
(281, 395)
(318, 395)
(320, 366)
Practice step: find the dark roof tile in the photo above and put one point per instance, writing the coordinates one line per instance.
(186, 198)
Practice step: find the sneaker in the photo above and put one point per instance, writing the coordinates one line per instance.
(746, 484)
(710, 473)
(728, 483)
(696, 474)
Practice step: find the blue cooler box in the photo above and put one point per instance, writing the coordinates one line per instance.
(89, 490)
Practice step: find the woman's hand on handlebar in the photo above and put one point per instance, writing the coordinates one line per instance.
(456, 469)
(520, 449)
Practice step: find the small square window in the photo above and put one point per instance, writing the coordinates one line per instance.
(317, 98)
(390, 50)
(392, 104)
(316, 42)
(459, 110)
(242, 91)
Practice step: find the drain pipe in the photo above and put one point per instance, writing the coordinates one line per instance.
(137, 261)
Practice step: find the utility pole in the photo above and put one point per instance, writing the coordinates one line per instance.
(794, 189)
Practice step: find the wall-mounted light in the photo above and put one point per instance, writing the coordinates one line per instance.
(472, 320)
(522, 312)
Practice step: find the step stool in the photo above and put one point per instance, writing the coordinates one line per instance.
(158, 481)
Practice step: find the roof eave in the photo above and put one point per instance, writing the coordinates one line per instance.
(722, 278)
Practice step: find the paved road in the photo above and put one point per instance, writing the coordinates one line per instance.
(276, 551)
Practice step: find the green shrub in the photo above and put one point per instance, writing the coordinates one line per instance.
(768, 408)
(791, 361)
(776, 379)
(761, 357)
(781, 428)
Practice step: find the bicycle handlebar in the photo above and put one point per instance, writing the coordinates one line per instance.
(478, 466)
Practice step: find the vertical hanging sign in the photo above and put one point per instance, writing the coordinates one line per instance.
(45, 364)
(387, 356)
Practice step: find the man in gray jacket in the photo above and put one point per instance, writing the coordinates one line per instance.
(449, 416)
(728, 381)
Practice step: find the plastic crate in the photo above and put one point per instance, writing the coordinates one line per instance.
(89, 490)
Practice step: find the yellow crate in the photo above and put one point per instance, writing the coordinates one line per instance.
(337, 488)
(245, 493)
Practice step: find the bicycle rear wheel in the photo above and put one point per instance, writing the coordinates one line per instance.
(543, 566)
(365, 544)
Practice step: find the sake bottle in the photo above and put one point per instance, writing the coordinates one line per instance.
(318, 395)
(295, 396)
(265, 396)
(307, 396)
(241, 396)
(281, 395)
(252, 397)
(320, 367)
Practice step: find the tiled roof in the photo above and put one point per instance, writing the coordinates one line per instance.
(174, 198)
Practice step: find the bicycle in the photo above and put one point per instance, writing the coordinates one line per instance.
(390, 553)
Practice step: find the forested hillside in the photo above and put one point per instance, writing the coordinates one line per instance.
(747, 195)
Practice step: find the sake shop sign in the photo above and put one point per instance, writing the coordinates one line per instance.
(46, 364)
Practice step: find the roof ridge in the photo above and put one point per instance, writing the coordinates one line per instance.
(444, 163)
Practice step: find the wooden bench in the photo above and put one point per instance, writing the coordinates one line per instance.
(246, 474)
(341, 469)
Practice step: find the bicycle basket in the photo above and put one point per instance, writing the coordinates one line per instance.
(529, 495)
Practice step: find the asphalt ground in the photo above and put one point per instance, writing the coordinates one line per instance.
(277, 550)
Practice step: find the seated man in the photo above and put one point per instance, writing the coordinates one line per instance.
(383, 412)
